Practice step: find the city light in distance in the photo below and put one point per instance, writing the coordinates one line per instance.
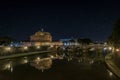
(25, 47)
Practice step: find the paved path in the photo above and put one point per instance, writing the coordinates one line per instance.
(112, 66)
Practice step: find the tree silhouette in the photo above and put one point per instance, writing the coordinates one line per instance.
(5, 40)
(114, 38)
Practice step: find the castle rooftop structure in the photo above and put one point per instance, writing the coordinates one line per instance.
(41, 36)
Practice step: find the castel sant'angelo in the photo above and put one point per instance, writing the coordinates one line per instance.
(41, 36)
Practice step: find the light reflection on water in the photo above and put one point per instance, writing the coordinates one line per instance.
(40, 63)
(34, 61)
(110, 73)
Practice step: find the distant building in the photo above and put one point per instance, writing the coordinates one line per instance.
(41, 36)
(69, 42)
(45, 40)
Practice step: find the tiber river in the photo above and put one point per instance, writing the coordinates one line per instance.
(55, 67)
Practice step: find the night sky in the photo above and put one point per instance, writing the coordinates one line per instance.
(92, 19)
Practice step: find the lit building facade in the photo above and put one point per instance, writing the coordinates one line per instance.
(41, 36)
(69, 42)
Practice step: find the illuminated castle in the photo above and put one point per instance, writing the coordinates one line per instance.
(41, 36)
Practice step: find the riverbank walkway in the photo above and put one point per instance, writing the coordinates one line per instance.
(111, 65)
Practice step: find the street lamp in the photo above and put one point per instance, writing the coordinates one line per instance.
(117, 50)
(25, 47)
(105, 48)
(7, 48)
(38, 47)
(51, 46)
(110, 48)
(110, 73)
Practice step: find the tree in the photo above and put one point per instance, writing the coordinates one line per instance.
(5, 40)
(114, 38)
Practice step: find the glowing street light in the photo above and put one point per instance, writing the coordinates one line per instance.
(110, 73)
(7, 48)
(110, 48)
(51, 56)
(38, 58)
(105, 48)
(38, 47)
(51, 46)
(25, 48)
(117, 50)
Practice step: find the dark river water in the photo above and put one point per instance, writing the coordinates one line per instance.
(55, 67)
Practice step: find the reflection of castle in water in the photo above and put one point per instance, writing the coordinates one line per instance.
(42, 64)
